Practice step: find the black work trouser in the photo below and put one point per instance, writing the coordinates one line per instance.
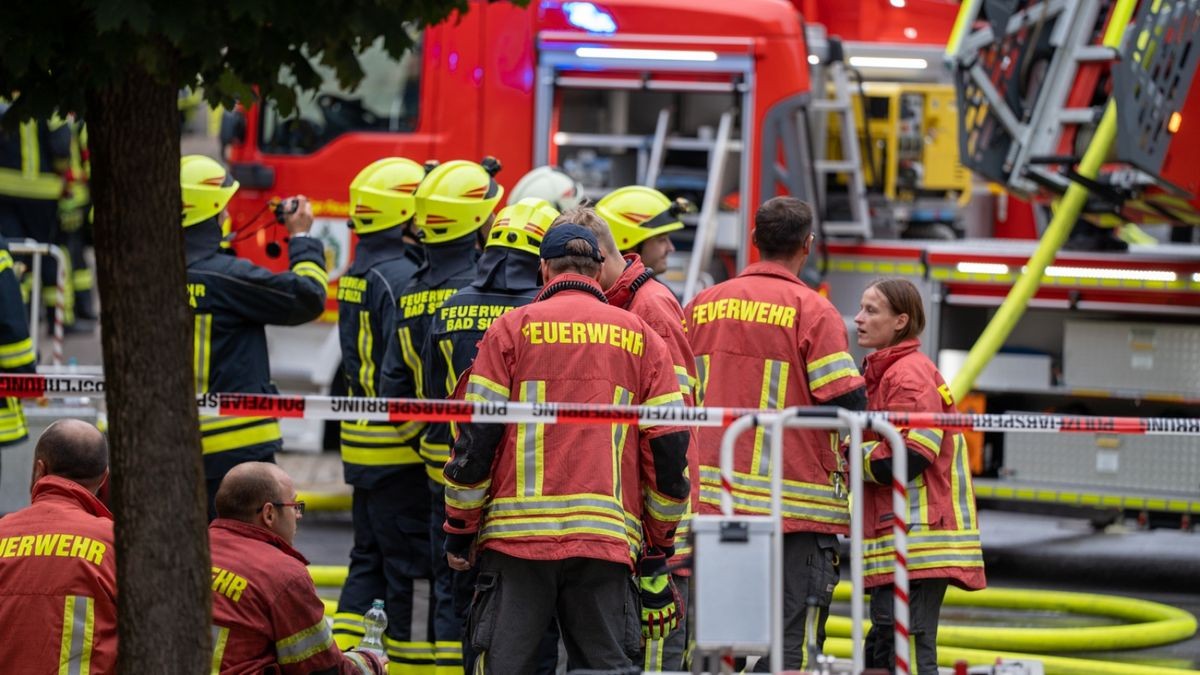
(391, 549)
(924, 607)
(596, 603)
(810, 572)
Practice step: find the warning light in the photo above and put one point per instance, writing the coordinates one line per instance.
(1175, 121)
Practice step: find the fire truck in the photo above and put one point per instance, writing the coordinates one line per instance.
(731, 104)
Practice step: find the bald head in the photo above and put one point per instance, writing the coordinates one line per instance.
(247, 487)
(72, 449)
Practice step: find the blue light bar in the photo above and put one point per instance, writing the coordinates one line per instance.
(589, 17)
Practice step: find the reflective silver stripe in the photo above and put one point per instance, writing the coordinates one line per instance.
(886, 565)
(685, 381)
(916, 540)
(79, 623)
(553, 506)
(701, 378)
(712, 476)
(662, 509)
(934, 436)
(774, 371)
(966, 500)
(815, 374)
(220, 638)
(485, 393)
(529, 393)
(790, 508)
(306, 643)
(533, 526)
(467, 496)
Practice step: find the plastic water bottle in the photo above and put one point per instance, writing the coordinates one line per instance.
(374, 623)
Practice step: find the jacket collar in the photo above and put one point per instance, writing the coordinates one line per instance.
(770, 269)
(574, 284)
(635, 275)
(202, 240)
(58, 489)
(879, 361)
(377, 247)
(448, 260)
(506, 269)
(258, 534)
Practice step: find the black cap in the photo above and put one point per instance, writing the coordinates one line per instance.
(554, 244)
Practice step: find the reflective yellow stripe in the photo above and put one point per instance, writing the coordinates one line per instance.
(930, 439)
(466, 499)
(311, 270)
(305, 644)
(12, 421)
(83, 280)
(662, 508)
(447, 347)
(366, 345)
(410, 658)
(486, 389)
(6, 261)
(530, 443)
(685, 380)
(412, 359)
(752, 494)
(347, 629)
(17, 354)
(42, 186)
(829, 368)
(702, 367)
(202, 352)
(379, 443)
(671, 399)
(219, 434)
(621, 396)
(75, 646)
(771, 396)
(220, 636)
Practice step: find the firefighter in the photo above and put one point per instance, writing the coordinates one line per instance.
(58, 574)
(642, 220)
(765, 340)
(551, 184)
(628, 284)
(507, 277)
(33, 159)
(380, 459)
(16, 347)
(233, 300)
(943, 535)
(533, 501)
(454, 207)
(267, 616)
(74, 229)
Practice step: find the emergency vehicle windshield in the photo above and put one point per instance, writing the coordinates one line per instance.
(385, 100)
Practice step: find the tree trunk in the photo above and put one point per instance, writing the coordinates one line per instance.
(163, 568)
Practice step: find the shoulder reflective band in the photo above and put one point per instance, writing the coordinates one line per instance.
(513, 412)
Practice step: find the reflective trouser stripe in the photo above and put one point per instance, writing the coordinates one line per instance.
(219, 434)
(220, 636)
(447, 656)
(410, 658)
(202, 351)
(347, 629)
(412, 359)
(12, 421)
(379, 443)
(17, 354)
(75, 649)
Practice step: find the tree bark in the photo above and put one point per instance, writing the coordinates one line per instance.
(158, 498)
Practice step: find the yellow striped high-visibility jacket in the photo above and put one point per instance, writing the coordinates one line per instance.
(232, 300)
(765, 340)
(943, 537)
(58, 583)
(557, 491)
(16, 347)
(28, 158)
(366, 295)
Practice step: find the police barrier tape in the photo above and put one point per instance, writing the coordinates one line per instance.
(511, 412)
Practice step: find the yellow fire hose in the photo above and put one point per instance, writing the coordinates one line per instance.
(1149, 624)
(324, 501)
(1066, 211)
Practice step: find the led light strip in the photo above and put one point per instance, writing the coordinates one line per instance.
(645, 54)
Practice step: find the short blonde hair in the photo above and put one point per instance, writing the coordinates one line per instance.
(587, 218)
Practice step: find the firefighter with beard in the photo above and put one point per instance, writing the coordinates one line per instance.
(380, 459)
(454, 204)
(507, 278)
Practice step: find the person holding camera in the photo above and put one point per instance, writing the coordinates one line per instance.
(233, 299)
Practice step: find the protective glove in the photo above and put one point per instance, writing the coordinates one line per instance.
(661, 604)
(368, 663)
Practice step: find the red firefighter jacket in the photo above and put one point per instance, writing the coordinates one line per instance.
(550, 492)
(58, 583)
(637, 291)
(943, 539)
(265, 606)
(765, 340)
